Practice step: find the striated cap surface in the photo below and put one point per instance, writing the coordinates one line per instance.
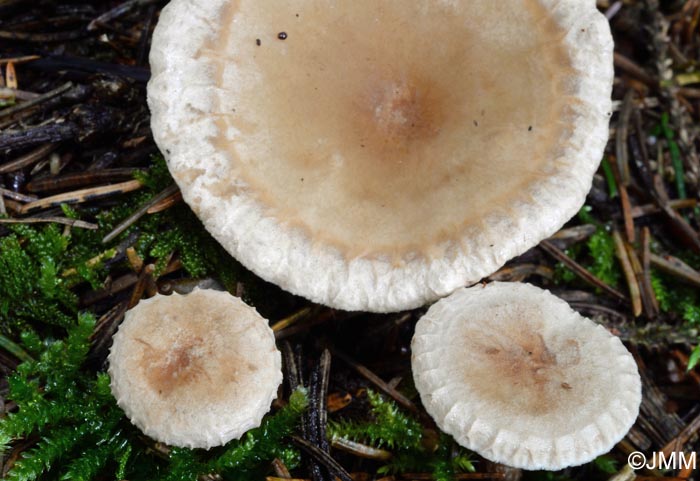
(194, 370)
(513, 373)
(379, 155)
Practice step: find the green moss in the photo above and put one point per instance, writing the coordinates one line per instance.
(607, 464)
(250, 456)
(71, 411)
(603, 263)
(562, 274)
(390, 428)
(675, 298)
(266, 442)
(157, 177)
(31, 290)
(597, 255)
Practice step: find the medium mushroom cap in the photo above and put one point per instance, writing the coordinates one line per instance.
(196, 370)
(513, 373)
(379, 155)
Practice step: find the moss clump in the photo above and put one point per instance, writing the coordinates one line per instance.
(31, 289)
(71, 412)
(597, 255)
(389, 427)
(677, 299)
(603, 264)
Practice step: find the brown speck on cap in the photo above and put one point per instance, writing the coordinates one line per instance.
(282, 35)
(194, 370)
(513, 373)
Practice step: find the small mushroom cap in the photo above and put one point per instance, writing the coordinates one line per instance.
(194, 370)
(381, 154)
(513, 373)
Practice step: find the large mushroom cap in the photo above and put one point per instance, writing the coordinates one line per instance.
(377, 155)
(513, 373)
(196, 370)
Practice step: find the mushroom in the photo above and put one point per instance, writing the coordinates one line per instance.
(194, 370)
(513, 373)
(378, 155)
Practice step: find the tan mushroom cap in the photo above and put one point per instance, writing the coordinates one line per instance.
(513, 373)
(196, 370)
(382, 154)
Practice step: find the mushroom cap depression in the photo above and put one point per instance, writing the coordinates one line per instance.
(513, 373)
(378, 155)
(196, 370)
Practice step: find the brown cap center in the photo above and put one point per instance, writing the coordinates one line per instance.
(395, 112)
(532, 372)
(400, 113)
(167, 370)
